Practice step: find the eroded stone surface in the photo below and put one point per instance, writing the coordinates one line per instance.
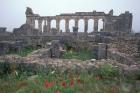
(35, 61)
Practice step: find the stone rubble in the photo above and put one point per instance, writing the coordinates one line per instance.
(35, 60)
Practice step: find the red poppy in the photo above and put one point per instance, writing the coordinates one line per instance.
(71, 83)
(51, 84)
(63, 83)
(78, 81)
(48, 84)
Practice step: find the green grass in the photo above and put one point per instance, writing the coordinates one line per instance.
(81, 55)
(106, 79)
(24, 51)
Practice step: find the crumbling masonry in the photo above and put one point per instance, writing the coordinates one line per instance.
(123, 22)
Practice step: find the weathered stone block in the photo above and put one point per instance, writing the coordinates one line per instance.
(75, 31)
(55, 49)
(102, 51)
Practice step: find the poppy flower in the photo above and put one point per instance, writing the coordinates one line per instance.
(51, 84)
(63, 83)
(78, 81)
(71, 83)
(48, 84)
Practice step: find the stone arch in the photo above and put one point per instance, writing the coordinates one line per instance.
(36, 24)
(71, 24)
(81, 25)
(90, 25)
(62, 25)
(100, 25)
(53, 23)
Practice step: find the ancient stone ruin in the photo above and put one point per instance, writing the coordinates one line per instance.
(111, 22)
(115, 42)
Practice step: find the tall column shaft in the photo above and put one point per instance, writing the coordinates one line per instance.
(58, 25)
(48, 25)
(33, 22)
(30, 21)
(40, 25)
(95, 24)
(76, 22)
(103, 25)
(45, 26)
(67, 25)
(86, 25)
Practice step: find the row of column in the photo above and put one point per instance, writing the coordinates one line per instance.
(47, 25)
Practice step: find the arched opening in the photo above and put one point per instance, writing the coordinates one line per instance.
(62, 25)
(81, 25)
(43, 22)
(90, 25)
(100, 25)
(36, 24)
(71, 25)
(53, 23)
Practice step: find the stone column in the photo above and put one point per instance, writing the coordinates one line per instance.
(86, 25)
(40, 25)
(57, 25)
(67, 25)
(96, 25)
(103, 24)
(102, 51)
(33, 22)
(55, 51)
(76, 22)
(45, 26)
(48, 25)
(30, 21)
(75, 31)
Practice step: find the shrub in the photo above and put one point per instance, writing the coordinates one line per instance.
(4, 68)
(108, 71)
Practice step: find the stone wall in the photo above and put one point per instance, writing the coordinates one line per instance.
(111, 23)
(120, 57)
(6, 47)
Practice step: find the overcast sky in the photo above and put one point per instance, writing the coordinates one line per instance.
(12, 12)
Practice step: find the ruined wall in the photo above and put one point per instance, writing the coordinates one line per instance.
(120, 57)
(123, 22)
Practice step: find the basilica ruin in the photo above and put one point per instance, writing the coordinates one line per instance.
(111, 23)
(114, 41)
(41, 56)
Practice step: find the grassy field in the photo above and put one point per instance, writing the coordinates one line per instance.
(104, 80)
(81, 55)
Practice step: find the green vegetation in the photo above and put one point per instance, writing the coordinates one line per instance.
(81, 55)
(108, 71)
(106, 79)
(24, 51)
